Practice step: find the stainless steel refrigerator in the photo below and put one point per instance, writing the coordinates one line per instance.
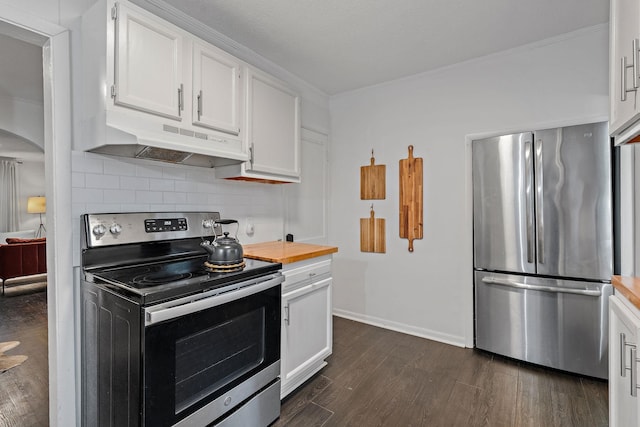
(543, 246)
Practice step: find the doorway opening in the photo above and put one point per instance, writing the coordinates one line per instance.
(53, 43)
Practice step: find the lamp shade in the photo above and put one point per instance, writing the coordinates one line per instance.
(37, 204)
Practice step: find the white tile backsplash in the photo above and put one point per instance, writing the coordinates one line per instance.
(93, 180)
(87, 195)
(135, 183)
(187, 186)
(149, 197)
(86, 162)
(174, 173)
(148, 171)
(173, 197)
(111, 184)
(120, 196)
(118, 167)
(166, 185)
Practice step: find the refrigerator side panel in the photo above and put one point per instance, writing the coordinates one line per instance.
(503, 222)
(573, 202)
(557, 323)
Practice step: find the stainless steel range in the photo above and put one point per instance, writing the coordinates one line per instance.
(166, 341)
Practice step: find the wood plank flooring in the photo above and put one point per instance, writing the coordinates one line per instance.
(378, 377)
(24, 390)
(375, 377)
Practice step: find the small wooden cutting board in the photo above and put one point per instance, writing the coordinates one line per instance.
(372, 231)
(411, 198)
(372, 181)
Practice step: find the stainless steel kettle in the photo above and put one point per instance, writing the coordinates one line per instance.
(224, 250)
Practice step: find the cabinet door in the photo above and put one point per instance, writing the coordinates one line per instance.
(625, 33)
(623, 339)
(306, 203)
(306, 329)
(273, 126)
(216, 96)
(148, 65)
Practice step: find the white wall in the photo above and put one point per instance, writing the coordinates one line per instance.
(32, 183)
(429, 292)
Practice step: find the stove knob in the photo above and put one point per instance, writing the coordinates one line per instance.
(115, 228)
(207, 223)
(99, 230)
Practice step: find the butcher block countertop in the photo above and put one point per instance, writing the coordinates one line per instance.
(629, 287)
(285, 252)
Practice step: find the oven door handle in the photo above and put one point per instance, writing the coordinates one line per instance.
(177, 308)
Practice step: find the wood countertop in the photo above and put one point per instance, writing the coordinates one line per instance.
(629, 287)
(285, 252)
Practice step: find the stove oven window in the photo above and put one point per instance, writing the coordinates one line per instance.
(218, 355)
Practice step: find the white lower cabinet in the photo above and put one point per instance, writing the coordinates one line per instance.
(306, 321)
(624, 328)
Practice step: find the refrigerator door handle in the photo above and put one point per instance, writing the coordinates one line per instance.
(502, 282)
(529, 199)
(539, 201)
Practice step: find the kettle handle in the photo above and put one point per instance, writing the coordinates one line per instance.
(226, 221)
(229, 221)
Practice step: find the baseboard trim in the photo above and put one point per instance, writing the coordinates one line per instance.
(401, 327)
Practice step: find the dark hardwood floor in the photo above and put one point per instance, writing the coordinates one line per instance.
(378, 377)
(24, 390)
(375, 377)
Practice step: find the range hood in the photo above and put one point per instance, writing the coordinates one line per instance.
(172, 145)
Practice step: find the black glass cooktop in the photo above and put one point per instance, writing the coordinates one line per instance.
(155, 282)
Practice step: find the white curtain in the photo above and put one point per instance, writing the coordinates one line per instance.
(10, 203)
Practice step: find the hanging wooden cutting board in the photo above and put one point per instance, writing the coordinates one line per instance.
(411, 198)
(372, 234)
(372, 181)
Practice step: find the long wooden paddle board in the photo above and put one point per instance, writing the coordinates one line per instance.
(411, 198)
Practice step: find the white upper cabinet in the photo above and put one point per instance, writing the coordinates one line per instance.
(148, 64)
(151, 89)
(272, 123)
(273, 126)
(144, 78)
(216, 89)
(624, 70)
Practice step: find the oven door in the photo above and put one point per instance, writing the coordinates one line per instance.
(205, 354)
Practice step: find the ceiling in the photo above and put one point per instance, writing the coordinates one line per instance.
(341, 45)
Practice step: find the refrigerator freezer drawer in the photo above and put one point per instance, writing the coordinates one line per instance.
(561, 324)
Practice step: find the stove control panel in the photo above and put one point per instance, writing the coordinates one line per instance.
(165, 224)
(123, 228)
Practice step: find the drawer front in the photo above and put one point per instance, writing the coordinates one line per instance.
(310, 272)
